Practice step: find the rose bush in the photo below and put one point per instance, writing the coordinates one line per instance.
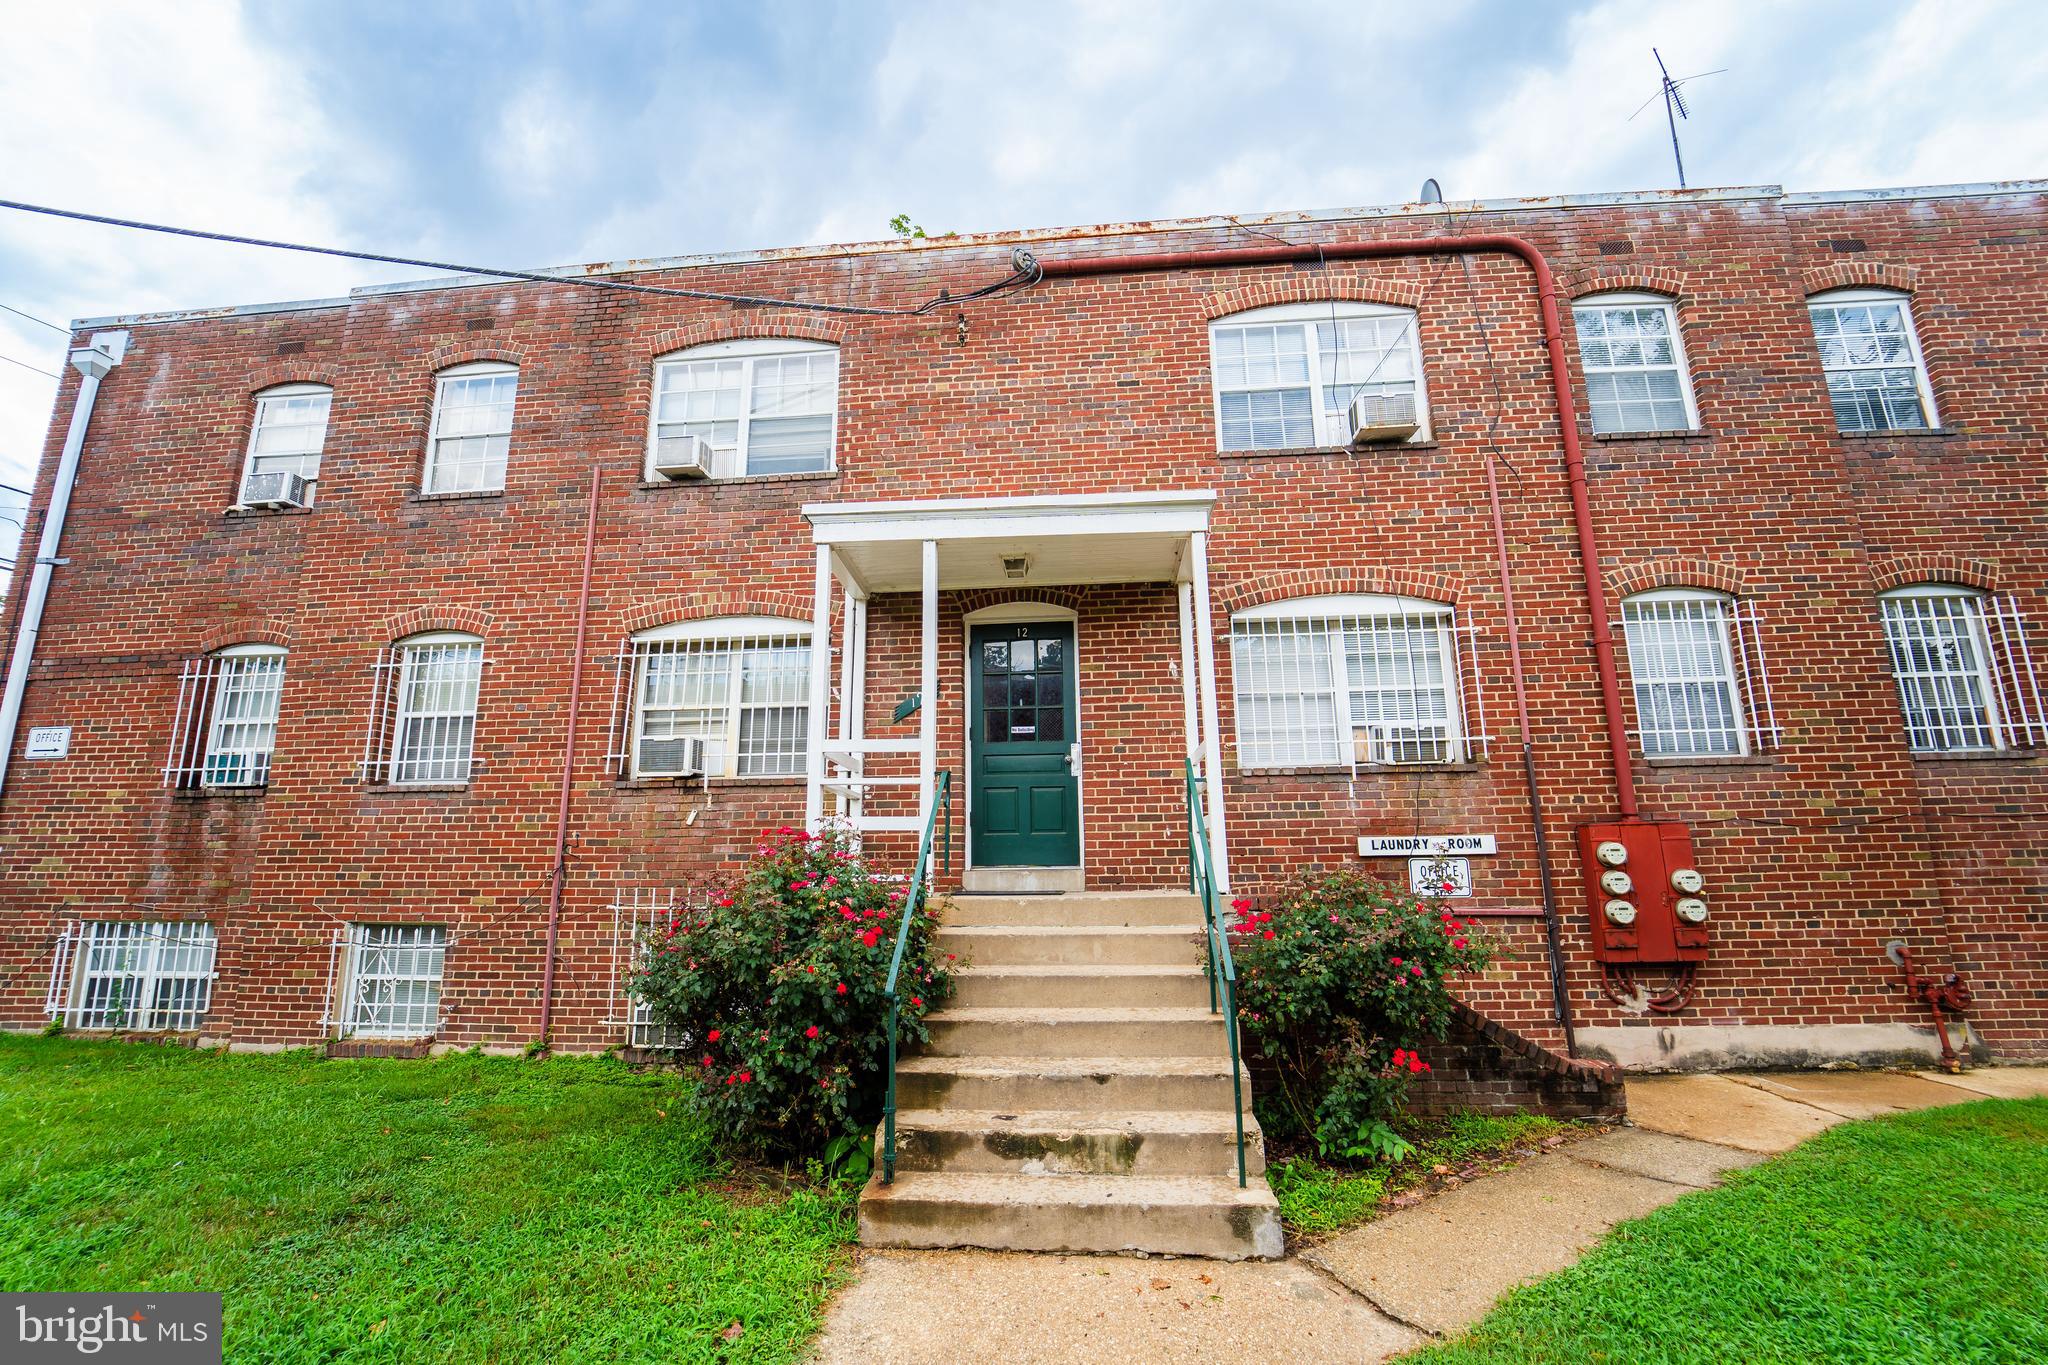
(1339, 980)
(777, 984)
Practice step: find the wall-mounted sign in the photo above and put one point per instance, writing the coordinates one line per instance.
(48, 741)
(1424, 845)
(1435, 877)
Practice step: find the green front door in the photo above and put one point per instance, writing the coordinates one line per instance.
(1027, 799)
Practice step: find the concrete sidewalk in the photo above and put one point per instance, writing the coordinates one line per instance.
(1385, 1287)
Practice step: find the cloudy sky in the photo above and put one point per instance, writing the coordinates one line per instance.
(530, 133)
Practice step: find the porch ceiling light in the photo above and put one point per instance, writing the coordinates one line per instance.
(1016, 566)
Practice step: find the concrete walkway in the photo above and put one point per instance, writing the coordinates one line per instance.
(1390, 1285)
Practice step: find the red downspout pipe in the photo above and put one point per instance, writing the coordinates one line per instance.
(1561, 388)
(561, 867)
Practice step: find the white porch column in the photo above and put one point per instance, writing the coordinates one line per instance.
(928, 710)
(1186, 594)
(855, 712)
(842, 808)
(1212, 748)
(821, 684)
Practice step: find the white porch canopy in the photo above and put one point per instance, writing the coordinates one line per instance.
(926, 545)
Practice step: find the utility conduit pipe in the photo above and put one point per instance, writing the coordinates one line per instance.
(93, 362)
(560, 871)
(1561, 389)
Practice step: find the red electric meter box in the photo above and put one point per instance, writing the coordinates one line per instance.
(1647, 899)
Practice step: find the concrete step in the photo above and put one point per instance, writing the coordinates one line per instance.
(1061, 1142)
(1177, 1215)
(1012, 945)
(1011, 1084)
(1093, 1032)
(1104, 909)
(1054, 986)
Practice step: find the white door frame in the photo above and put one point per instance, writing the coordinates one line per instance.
(1021, 613)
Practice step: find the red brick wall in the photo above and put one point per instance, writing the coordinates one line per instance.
(1816, 854)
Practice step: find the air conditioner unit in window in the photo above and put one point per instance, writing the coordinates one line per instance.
(1383, 417)
(670, 758)
(682, 457)
(276, 488)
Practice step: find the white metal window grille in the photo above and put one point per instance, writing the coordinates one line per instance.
(1965, 670)
(140, 975)
(422, 728)
(1877, 376)
(472, 429)
(639, 912)
(765, 407)
(1285, 377)
(225, 726)
(1701, 685)
(289, 432)
(739, 684)
(1635, 364)
(391, 986)
(1354, 681)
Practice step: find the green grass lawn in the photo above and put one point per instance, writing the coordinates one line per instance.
(1317, 1197)
(465, 1208)
(1921, 1237)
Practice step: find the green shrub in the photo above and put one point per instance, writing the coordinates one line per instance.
(777, 986)
(1340, 979)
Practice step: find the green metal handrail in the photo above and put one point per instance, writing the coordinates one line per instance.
(1216, 943)
(918, 892)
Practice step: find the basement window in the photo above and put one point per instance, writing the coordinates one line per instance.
(724, 697)
(138, 975)
(472, 429)
(1285, 377)
(1877, 376)
(1350, 682)
(391, 985)
(1701, 689)
(765, 406)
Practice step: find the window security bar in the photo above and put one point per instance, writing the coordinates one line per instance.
(1395, 689)
(387, 978)
(1965, 672)
(637, 913)
(133, 975)
(423, 706)
(225, 725)
(1747, 625)
(1702, 684)
(743, 698)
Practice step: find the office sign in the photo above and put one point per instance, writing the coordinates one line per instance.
(48, 741)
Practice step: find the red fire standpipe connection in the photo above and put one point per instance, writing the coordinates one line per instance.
(1575, 473)
(560, 872)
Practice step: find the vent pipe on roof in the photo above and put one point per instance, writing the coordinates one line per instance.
(92, 361)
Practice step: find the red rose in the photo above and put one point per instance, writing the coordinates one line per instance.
(746, 1076)
(1416, 970)
(1396, 961)
(1457, 943)
(840, 989)
(711, 1037)
(916, 1003)
(811, 1032)
(1266, 933)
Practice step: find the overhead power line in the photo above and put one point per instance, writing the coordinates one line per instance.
(42, 322)
(1024, 275)
(26, 366)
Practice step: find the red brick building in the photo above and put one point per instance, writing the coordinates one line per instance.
(289, 761)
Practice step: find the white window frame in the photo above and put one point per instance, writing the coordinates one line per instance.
(1641, 615)
(738, 635)
(2011, 715)
(431, 476)
(240, 666)
(749, 353)
(383, 956)
(1350, 742)
(152, 955)
(267, 402)
(1849, 298)
(1636, 301)
(1331, 428)
(411, 657)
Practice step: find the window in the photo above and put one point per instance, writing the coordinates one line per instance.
(1634, 360)
(1343, 681)
(1877, 378)
(1964, 669)
(1682, 656)
(226, 723)
(738, 684)
(142, 975)
(472, 429)
(423, 711)
(641, 919)
(393, 980)
(289, 432)
(765, 407)
(1285, 377)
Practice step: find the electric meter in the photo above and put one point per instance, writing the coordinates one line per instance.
(1615, 882)
(1692, 910)
(1687, 881)
(1612, 853)
(1622, 912)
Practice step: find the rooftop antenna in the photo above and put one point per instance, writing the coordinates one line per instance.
(1674, 105)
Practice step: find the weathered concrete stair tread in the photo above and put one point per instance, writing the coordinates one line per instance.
(1183, 1215)
(1075, 1142)
(1132, 909)
(1078, 1014)
(1070, 1121)
(1062, 984)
